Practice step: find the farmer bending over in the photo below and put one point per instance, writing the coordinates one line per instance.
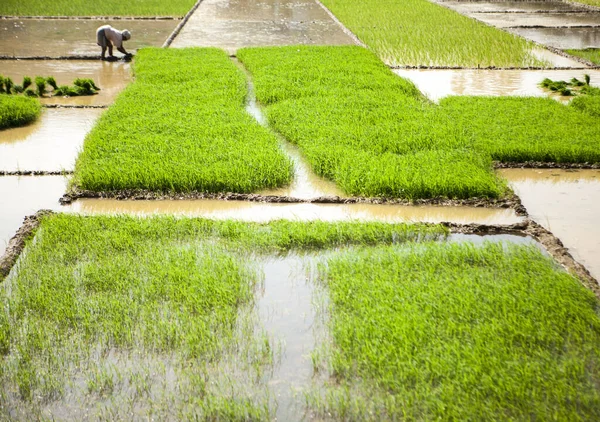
(107, 36)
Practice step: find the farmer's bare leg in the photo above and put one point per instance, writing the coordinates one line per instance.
(103, 52)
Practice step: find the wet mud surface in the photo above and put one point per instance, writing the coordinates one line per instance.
(49, 144)
(233, 24)
(60, 37)
(111, 77)
(23, 196)
(437, 84)
(567, 203)
(562, 38)
(260, 211)
(511, 6)
(507, 20)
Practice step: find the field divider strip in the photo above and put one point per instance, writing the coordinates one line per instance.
(583, 61)
(181, 24)
(344, 28)
(86, 57)
(552, 26)
(545, 165)
(535, 12)
(73, 106)
(35, 172)
(114, 18)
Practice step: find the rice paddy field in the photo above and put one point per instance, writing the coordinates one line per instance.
(415, 32)
(89, 8)
(375, 135)
(18, 111)
(182, 127)
(591, 54)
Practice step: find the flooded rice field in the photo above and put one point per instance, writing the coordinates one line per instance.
(562, 38)
(111, 77)
(233, 24)
(507, 20)
(567, 203)
(262, 212)
(70, 37)
(437, 84)
(49, 144)
(23, 196)
(467, 7)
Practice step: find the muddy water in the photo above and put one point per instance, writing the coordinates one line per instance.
(233, 24)
(261, 212)
(506, 20)
(568, 204)
(56, 38)
(510, 6)
(437, 84)
(23, 196)
(111, 77)
(51, 143)
(562, 38)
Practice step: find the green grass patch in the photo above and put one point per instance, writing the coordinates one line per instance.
(458, 332)
(89, 8)
(18, 111)
(181, 127)
(108, 315)
(418, 32)
(591, 54)
(589, 2)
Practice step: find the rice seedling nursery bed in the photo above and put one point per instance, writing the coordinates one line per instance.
(591, 54)
(18, 111)
(181, 127)
(114, 316)
(90, 8)
(415, 33)
(374, 134)
(457, 331)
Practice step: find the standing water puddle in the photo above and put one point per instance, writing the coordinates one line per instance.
(467, 7)
(23, 196)
(69, 37)
(233, 24)
(49, 144)
(567, 203)
(111, 77)
(437, 84)
(507, 20)
(562, 38)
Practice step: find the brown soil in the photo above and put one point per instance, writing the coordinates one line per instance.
(34, 172)
(17, 242)
(543, 165)
(509, 202)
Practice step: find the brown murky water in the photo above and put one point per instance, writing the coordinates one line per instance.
(56, 38)
(510, 6)
(23, 196)
(437, 84)
(506, 20)
(111, 77)
(257, 211)
(562, 38)
(568, 204)
(50, 144)
(233, 24)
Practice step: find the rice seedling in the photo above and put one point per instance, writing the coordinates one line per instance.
(118, 309)
(419, 32)
(18, 111)
(458, 332)
(180, 127)
(588, 104)
(590, 2)
(40, 84)
(8, 85)
(52, 82)
(573, 87)
(591, 54)
(87, 8)
(26, 82)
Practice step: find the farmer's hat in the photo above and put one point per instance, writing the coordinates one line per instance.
(126, 34)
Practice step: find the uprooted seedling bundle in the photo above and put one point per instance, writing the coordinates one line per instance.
(39, 87)
(571, 88)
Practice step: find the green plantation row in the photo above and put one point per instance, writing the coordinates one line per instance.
(18, 111)
(375, 135)
(100, 311)
(181, 126)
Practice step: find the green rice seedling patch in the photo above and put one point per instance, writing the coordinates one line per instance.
(572, 87)
(514, 129)
(89, 8)
(81, 86)
(587, 104)
(591, 54)
(105, 316)
(18, 111)
(181, 127)
(419, 32)
(455, 331)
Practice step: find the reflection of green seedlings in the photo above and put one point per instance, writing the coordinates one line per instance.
(455, 331)
(17, 111)
(52, 82)
(26, 82)
(18, 89)
(31, 93)
(86, 83)
(40, 83)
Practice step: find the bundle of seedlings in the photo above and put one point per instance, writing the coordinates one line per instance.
(571, 88)
(80, 87)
